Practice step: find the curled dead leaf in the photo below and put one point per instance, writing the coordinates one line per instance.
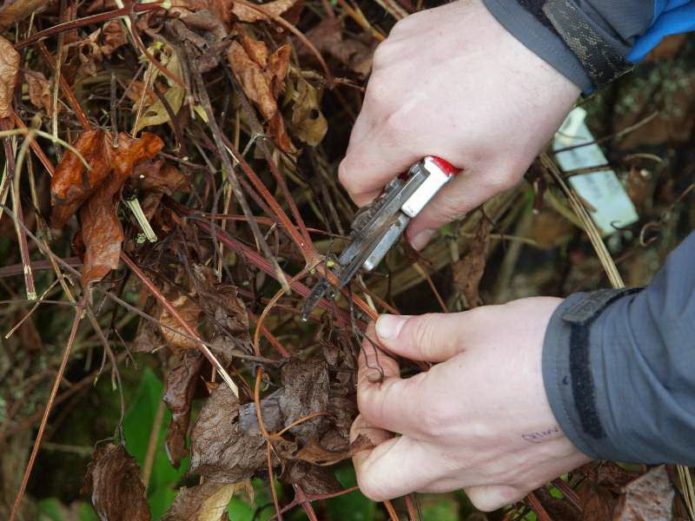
(39, 91)
(308, 122)
(261, 76)
(206, 502)
(172, 331)
(9, 70)
(72, 183)
(220, 450)
(468, 272)
(113, 481)
(331, 39)
(181, 382)
(257, 12)
(647, 498)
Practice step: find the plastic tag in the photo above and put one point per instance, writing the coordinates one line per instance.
(611, 208)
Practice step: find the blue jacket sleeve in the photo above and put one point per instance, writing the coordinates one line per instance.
(593, 41)
(670, 17)
(619, 368)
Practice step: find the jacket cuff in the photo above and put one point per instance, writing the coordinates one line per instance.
(575, 373)
(540, 40)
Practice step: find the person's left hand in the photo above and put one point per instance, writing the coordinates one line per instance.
(478, 419)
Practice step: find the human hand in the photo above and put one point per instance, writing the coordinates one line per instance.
(452, 82)
(478, 419)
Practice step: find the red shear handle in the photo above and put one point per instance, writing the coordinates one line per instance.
(445, 166)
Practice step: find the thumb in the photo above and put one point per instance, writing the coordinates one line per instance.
(433, 337)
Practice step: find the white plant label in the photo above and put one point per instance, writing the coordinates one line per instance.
(610, 207)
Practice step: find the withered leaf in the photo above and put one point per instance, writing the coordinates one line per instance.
(220, 450)
(206, 502)
(72, 183)
(329, 37)
(155, 113)
(181, 382)
(9, 69)
(101, 232)
(160, 176)
(468, 271)
(39, 91)
(597, 501)
(262, 11)
(113, 37)
(261, 76)
(306, 392)
(308, 122)
(172, 331)
(312, 479)
(113, 480)
(647, 498)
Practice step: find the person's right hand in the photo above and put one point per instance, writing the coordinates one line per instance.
(452, 82)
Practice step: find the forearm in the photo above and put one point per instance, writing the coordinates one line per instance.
(622, 385)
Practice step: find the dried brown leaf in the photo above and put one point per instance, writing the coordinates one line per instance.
(596, 501)
(206, 502)
(9, 70)
(172, 331)
(101, 232)
(181, 382)
(113, 480)
(160, 176)
(468, 271)
(13, 12)
(261, 76)
(647, 498)
(252, 78)
(306, 392)
(220, 450)
(72, 183)
(329, 37)
(313, 480)
(112, 37)
(39, 91)
(308, 122)
(262, 11)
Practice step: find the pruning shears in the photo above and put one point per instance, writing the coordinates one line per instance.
(378, 226)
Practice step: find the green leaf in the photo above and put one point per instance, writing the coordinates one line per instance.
(353, 506)
(137, 426)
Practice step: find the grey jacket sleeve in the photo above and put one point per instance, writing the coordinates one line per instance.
(614, 23)
(619, 368)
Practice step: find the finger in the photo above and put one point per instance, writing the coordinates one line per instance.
(489, 498)
(383, 398)
(467, 191)
(374, 436)
(434, 337)
(394, 468)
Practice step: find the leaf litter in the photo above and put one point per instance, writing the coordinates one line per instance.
(282, 79)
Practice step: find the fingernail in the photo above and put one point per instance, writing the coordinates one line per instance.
(388, 326)
(420, 240)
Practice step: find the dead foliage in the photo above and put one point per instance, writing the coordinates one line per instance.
(216, 127)
(113, 481)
